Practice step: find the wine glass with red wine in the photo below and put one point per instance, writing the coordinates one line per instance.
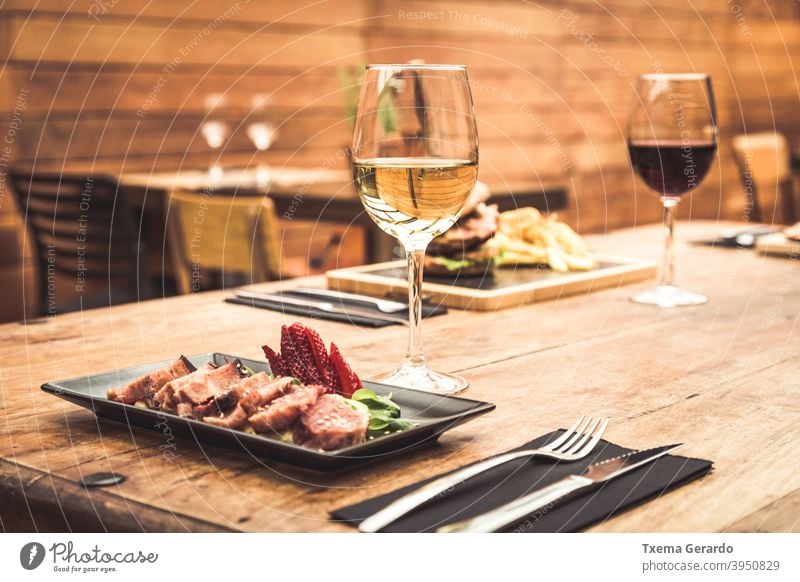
(672, 138)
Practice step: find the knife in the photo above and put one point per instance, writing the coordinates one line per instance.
(515, 511)
(384, 305)
(321, 306)
(745, 239)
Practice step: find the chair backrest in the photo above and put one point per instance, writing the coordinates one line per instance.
(212, 232)
(83, 230)
(765, 165)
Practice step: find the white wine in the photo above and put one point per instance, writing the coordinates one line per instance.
(414, 199)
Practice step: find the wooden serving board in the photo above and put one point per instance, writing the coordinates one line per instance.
(507, 287)
(778, 244)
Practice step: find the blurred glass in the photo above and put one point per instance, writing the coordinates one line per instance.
(215, 128)
(261, 132)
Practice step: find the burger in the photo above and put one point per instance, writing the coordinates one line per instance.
(462, 251)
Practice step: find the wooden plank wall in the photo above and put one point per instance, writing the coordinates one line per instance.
(119, 84)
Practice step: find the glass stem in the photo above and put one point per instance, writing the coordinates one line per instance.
(668, 266)
(416, 259)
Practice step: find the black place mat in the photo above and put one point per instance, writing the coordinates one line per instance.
(508, 482)
(427, 311)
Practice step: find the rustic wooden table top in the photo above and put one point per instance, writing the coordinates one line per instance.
(722, 378)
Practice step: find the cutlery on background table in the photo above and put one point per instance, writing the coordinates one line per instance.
(519, 509)
(320, 306)
(745, 239)
(574, 444)
(384, 305)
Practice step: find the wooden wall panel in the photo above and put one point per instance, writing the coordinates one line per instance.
(88, 136)
(78, 42)
(349, 13)
(96, 89)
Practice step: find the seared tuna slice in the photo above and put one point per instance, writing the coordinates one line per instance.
(146, 386)
(229, 410)
(262, 395)
(210, 385)
(163, 397)
(236, 418)
(225, 401)
(331, 424)
(284, 411)
(198, 389)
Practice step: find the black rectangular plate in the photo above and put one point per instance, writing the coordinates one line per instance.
(434, 414)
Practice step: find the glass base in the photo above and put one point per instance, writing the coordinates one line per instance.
(666, 296)
(424, 379)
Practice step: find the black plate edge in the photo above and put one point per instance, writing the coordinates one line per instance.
(346, 454)
(479, 407)
(438, 426)
(450, 422)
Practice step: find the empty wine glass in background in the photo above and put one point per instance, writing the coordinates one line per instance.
(672, 138)
(415, 162)
(215, 129)
(261, 132)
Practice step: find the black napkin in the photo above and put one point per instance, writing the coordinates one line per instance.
(355, 319)
(511, 480)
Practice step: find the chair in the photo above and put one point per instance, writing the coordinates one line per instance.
(213, 235)
(765, 166)
(87, 245)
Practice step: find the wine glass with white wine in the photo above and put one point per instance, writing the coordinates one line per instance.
(415, 162)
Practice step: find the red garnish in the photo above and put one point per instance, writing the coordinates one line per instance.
(276, 365)
(303, 355)
(321, 358)
(290, 355)
(334, 377)
(348, 380)
(311, 374)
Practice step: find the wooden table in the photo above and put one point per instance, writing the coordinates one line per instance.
(722, 378)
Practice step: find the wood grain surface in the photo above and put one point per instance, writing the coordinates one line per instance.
(722, 378)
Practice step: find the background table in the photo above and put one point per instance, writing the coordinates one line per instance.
(722, 378)
(315, 194)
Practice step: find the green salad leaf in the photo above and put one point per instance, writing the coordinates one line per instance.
(384, 415)
(358, 406)
(376, 403)
(454, 264)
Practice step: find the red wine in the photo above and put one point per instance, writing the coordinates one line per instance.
(672, 167)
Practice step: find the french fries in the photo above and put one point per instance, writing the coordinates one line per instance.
(525, 237)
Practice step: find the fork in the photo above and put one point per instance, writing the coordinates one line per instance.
(384, 305)
(576, 443)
